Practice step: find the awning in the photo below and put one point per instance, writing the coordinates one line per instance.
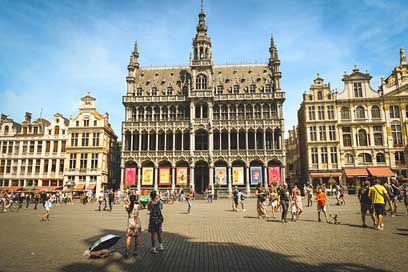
(325, 174)
(11, 188)
(79, 187)
(380, 171)
(91, 186)
(48, 188)
(356, 172)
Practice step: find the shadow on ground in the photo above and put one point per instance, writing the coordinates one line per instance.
(185, 254)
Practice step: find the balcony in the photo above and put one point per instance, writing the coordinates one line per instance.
(153, 99)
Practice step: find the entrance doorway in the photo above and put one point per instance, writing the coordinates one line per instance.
(201, 177)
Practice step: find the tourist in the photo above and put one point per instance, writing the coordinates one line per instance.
(378, 195)
(321, 203)
(284, 201)
(298, 205)
(155, 221)
(100, 201)
(235, 199)
(309, 195)
(70, 198)
(241, 200)
(293, 210)
(47, 207)
(210, 195)
(261, 198)
(342, 201)
(36, 199)
(274, 200)
(338, 194)
(111, 198)
(134, 226)
(365, 203)
(188, 196)
(405, 192)
(27, 199)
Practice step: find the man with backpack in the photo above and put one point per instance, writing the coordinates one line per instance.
(235, 199)
(378, 195)
(365, 203)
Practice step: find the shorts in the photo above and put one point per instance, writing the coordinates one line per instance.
(274, 203)
(366, 207)
(132, 232)
(321, 208)
(379, 208)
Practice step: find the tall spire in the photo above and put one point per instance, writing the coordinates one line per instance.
(136, 49)
(202, 6)
(201, 42)
(274, 64)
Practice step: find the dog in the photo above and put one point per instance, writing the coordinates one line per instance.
(335, 219)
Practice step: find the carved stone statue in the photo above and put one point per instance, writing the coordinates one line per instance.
(403, 57)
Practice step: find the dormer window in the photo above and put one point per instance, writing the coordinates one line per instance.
(201, 82)
(77, 123)
(252, 88)
(169, 91)
(358, 89)
(236, 89)
(319, 96)
(139, 91)
(153, 91)
(219, 89)
(6, 130)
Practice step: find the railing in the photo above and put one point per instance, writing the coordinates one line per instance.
(153, 99)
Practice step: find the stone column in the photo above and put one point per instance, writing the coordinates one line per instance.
(192, 177)
(140, 141)
(246, 140)
(122, 180)
(265, 176)
(148, 140)
(273, 139)
(229, 173)
(182, 140)
(264, 140)
(156, 177)
(139, 173)
(173, 178)
(247, 179)
(211, 177)
(131, 142)
(192, 142)
(283, 175)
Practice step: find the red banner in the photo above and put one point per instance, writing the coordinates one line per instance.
(274, 174)
(130, 176)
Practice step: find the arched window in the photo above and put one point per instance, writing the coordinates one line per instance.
(180, 113)
(266, 113)
(216, 112)
(233, 112)
(274, 110)
(364, 158)
(224, 112)
(140, 113)
(156, 114)
(164, 113)
(172, 113)
(201, 82)
(349, 158)
(345, 113)
(258, 111)
(149, 113)
(360, 112)
(380, 158)
(56, 130)
(375, 112)
(134, 114)
(249, 112)
(6, 130)
(241, 111)
(362, 137)
(201, 140)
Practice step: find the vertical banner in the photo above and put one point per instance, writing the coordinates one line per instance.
(164, 176)
(181, 176)
(221, 175)
(256, 175)
(130, 176)
(147, 176)
(274, 174)
(238, 176)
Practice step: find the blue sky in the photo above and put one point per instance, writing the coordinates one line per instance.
(52, 52)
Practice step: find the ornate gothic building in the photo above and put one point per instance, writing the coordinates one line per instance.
(203, 124)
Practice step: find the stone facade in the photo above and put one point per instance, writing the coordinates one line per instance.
(358, 128)
(78, 152)
(292, 156)
(202, 116)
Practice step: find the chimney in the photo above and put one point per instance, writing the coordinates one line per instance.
(27, 117)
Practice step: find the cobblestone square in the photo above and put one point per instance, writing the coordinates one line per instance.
(212, 238)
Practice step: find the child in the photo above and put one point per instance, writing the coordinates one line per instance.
(321, 203)
(294, 211)
(47, 207)
(155, 221)
(134, 227)
(298, 205)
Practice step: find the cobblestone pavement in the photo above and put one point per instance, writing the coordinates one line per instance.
(212, 238)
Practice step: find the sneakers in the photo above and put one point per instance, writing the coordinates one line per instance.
(161, 248)
(154, 250)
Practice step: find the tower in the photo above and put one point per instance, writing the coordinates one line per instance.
(274, 64)
(133, 67)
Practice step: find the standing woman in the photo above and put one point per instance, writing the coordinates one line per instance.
(155, 221)
(189, 196)
(284, 200)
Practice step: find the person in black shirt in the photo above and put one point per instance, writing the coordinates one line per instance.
(111, 198)
(284, 200)
(365, 203)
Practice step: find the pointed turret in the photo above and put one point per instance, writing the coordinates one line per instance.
(201, 42)
(134, 57)
(274, 64)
